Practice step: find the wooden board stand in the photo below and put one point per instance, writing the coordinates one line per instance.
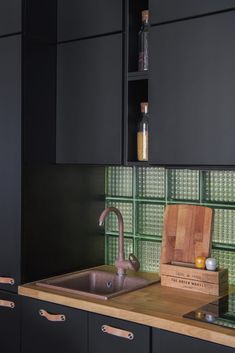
(186, 235)
(203, 281)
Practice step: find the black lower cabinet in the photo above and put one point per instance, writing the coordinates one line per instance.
(53, 328)
(9, 323)
(49, 328)
(167, 342)
(107, 334)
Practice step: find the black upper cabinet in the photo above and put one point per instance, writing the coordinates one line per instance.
(170, 10)
(49, 327)
(79, 19)
(10, 16)
(27, 226)
(9, 323)
(10, 158)
(192, 91)
(89, 101)
(167, 342)
(136, 338)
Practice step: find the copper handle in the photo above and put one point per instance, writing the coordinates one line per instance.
(7, 304)
(117, 332)
(7, 280)
(51, 317)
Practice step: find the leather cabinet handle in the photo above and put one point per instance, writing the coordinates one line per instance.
(52, 317)
(7, 304)
(7, 280)
(117, 332)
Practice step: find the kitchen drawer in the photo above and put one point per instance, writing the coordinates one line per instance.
(170, 10)
(9, 323)
(48, 327)
(107, 335)
(168, 342)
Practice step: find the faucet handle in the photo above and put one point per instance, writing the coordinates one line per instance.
(134, 262)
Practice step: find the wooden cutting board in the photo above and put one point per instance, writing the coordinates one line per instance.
(186, 233)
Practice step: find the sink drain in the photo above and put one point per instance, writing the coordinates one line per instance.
(109, 284)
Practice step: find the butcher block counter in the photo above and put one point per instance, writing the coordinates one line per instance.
(155, 306)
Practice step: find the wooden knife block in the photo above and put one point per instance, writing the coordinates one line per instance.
(186, 235)
(203, 281)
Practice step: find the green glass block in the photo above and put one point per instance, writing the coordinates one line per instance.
(126, 209)
(113, 248)
(151, 183)
(150, 219)
(149, 255)
(226, 259)
(224, 226)
(219, 186)
(119, 181)
(231, 305)
(184, 184)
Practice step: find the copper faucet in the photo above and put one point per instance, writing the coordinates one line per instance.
(121, 264)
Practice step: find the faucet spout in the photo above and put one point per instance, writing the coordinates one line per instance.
(121, 264)
(104, 214)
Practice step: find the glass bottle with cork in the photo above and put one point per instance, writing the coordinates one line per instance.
(142, 134)
(143, 62)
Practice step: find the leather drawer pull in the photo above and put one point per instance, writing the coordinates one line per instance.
(51, 317)
(7, 280)
(7, 304)
(117, 332)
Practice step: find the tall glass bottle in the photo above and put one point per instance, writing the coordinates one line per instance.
(143, 63)
(142, 134)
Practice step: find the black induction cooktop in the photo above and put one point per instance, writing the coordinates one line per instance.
(219, 312)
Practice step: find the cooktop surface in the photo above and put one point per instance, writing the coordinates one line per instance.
(219, 312)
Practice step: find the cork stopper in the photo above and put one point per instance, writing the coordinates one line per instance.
(144, 107)
(145, 16)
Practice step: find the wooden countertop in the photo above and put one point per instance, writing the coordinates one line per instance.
(155, 306)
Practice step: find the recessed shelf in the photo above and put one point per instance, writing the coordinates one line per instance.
(137, 93)
(134, 25)
(137, 82)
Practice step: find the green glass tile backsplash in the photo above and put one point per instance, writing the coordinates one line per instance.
(141, 194)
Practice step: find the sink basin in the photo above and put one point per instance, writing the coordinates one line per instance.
(97, 283)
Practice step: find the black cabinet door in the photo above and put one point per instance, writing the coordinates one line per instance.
(105, 336)
(89, 101)
(79, 19)
(170, 10)
(50, 328)
(10, 158)
(9, 323)
(168, 342)
(10, 16)
(192, 91)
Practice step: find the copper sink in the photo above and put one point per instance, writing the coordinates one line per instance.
(97, 283)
